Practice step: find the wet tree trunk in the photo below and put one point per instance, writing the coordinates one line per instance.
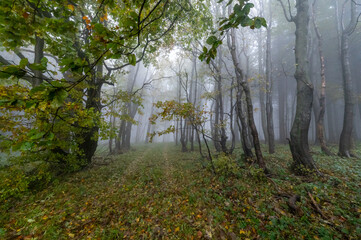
(243, 127)
(243, 85)
(269, 86)
(322, 99)
(246, 145)
(39, 54)
(346, 134)
(299, 132)
(89, 136)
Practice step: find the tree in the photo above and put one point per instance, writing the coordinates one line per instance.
(299, 132)
(240, 16)
(89, 41)
(269, 86)
(349, 96)
(322, 99)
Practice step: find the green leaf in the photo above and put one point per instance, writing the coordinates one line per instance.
(44, 62)
(12, 70)
(50, 136)
(132, 59)
(37, 67)
(26, 146)
(211, 40)
(3, 102)
(29, 104)
(247, 8)
(37, 135)
(23, 62)
(37, 89)
(58, 98)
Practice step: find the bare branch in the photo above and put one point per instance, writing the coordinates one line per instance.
(290, 17)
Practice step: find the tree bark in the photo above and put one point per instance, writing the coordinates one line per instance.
(299, 132)
(269, 107)
(262, 89)
(346, 134)
(39, 54)
(322, 99)
(243, 85)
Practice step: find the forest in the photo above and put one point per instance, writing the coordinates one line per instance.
(180, 119)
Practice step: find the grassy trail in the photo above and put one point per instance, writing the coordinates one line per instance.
(157, 192)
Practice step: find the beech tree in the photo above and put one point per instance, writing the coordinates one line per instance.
(349, 96)
(299, 133)
(76, 47)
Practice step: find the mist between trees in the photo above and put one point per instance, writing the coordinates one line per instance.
(208, 76)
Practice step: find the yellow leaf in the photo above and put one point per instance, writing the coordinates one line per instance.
(71, 7)
(71, 235)
(242, 232)
(45, 217)
(176, 229)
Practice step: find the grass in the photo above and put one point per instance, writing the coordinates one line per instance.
(157, 192)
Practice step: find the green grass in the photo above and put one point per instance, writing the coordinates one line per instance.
(157, 192)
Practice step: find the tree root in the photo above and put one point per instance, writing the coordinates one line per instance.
(315, 205)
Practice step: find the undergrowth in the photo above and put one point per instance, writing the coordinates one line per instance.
(157, 192)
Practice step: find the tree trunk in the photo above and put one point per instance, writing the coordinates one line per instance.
(243, 85)
(262, 89)
(89, 137)
(346, 134)
(281, 112)
(322, 100)
(269, 107)
(299, 132)
(39, 54)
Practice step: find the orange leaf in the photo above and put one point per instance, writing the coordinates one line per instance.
(71, 7)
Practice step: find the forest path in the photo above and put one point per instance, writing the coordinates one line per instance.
(159, 192)
(150, 193)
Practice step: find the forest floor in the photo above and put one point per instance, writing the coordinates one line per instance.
(157, 192)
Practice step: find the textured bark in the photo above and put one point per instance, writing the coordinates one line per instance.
(243, 85)
(246, 145)
(322, 99)
(346, 134)
(299, 132)
(39, 54)
(90, 142)
(220, 137)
